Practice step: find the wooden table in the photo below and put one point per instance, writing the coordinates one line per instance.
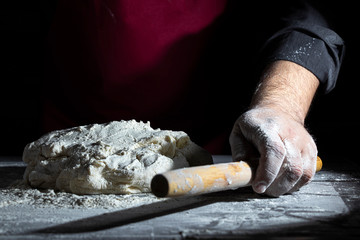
(329, 207)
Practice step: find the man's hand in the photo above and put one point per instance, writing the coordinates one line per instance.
(287, 151)
(274, 128)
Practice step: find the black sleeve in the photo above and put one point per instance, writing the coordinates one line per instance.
(304, 37)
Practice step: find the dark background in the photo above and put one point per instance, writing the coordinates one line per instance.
(333, 119)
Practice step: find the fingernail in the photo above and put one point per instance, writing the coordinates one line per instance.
(260, 187)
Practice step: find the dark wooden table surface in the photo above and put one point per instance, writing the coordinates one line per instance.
(327, 208)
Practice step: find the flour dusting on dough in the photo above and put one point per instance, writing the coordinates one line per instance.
(117, 157)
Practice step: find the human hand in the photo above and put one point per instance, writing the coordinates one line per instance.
(287, 151)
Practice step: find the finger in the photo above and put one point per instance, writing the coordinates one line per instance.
(309, 170)
(298, 169)
(272, 152)
(290, 174)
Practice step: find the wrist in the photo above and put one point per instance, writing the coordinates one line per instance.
(286, 87)
(281, 108)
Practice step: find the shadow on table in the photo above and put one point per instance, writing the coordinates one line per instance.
(141, 213)
(345, 225)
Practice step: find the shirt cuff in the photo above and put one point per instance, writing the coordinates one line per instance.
(316, 48)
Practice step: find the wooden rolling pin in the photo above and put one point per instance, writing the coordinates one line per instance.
(205, 179)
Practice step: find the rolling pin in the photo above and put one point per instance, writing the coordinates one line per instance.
(205, 179)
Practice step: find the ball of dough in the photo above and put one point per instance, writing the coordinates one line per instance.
(117, 157)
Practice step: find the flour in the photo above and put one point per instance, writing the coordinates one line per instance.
(118, 157)
(22, 194)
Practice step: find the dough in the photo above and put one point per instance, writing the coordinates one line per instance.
(117, 157)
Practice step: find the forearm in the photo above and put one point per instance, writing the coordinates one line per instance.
(287, 87)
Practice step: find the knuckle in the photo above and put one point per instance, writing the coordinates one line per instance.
(276, 150)
(245, 119)
(307, 176)
(312, 149)
(248, 115)
(294, 173)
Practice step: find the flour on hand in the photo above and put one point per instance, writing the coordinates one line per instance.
(117, 157)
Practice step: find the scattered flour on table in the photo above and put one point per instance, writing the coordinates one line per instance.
(22, 194)
(118, 157)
